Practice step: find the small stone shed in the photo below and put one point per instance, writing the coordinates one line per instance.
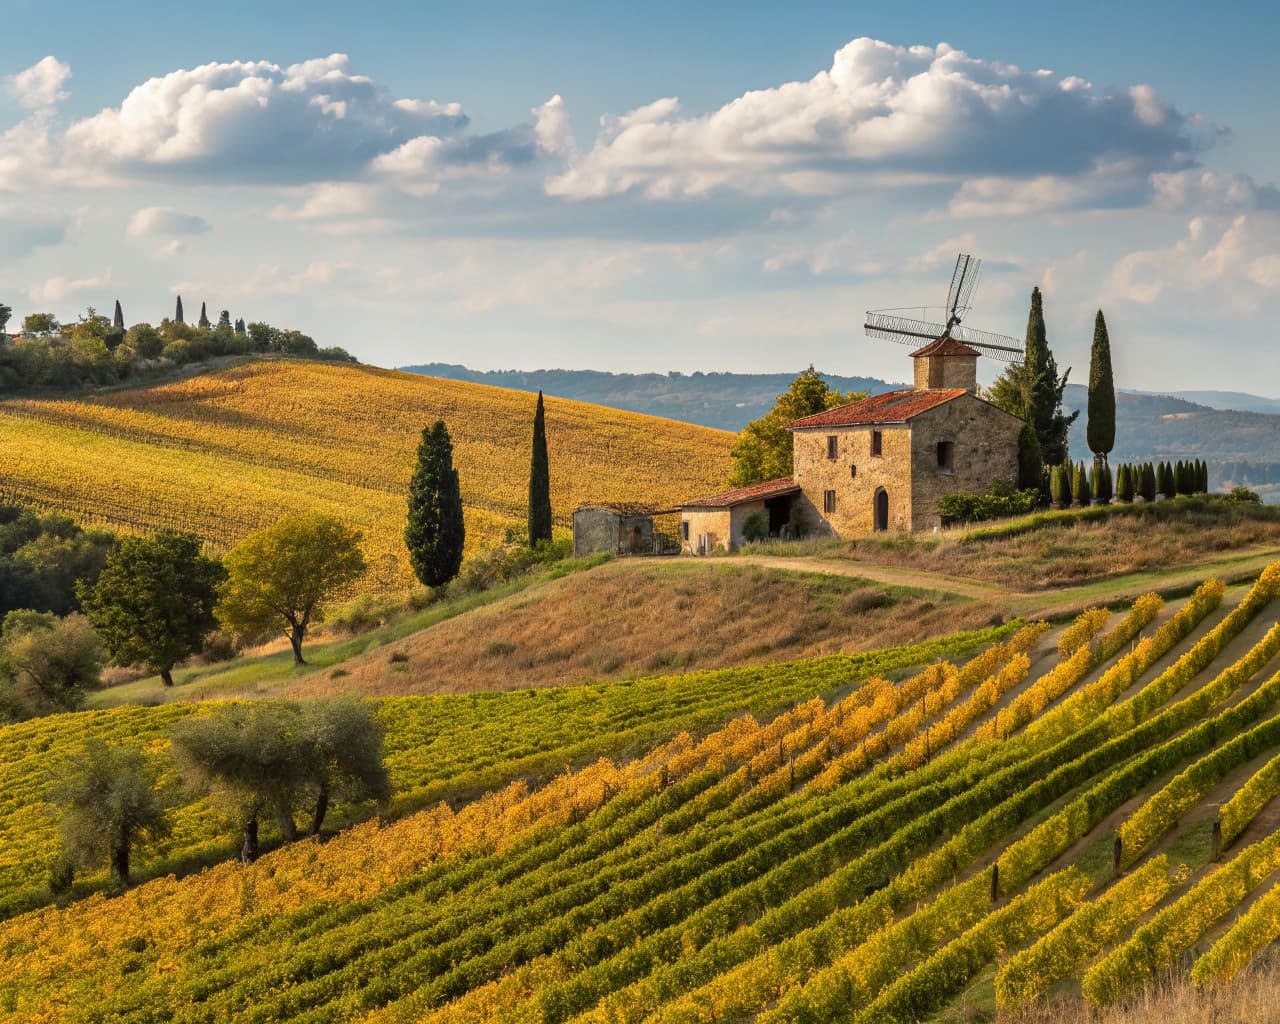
(619, 528)
(717, 521)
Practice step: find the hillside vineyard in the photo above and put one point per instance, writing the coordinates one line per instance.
(851, 849)
(225, 453)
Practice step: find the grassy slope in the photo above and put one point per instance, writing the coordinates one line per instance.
(1051, 551)
(640, 616)
(224, 452)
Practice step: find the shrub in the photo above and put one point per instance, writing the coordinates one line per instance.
(1000, 502)
(756, 527)
(1244, 495)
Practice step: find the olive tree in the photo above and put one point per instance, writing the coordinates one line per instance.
(110, 803)
(279, 578)
(346, 754)
(49, 662)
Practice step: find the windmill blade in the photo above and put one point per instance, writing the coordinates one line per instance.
(885, 324)
(998, 346)
(964, 279)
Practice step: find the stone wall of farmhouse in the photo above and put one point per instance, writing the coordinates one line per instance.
(594, 529)
(854, 513)
(716, 523)
(984, 449)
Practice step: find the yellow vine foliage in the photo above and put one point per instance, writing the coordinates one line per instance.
(224, 453)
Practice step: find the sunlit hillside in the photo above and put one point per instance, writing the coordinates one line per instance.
(223, 453)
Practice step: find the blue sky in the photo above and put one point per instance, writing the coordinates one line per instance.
(653, 187)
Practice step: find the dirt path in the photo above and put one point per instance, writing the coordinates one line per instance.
(1043, 604)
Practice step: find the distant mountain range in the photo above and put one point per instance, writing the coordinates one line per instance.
(1238, 434)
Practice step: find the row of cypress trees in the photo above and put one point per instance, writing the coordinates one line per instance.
(434, 532)
(1080, 485)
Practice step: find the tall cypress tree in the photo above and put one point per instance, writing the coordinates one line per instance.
(1042, 388)
(177, 313)
(204, 317)
(1102, 394)
(117, 322)
(434, 533)
(539, 480)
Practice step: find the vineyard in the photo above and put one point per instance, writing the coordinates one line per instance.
(223, 453)
(989, 820)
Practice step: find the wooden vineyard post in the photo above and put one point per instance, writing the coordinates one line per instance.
(1217, 840)
(995, 882)
(1117, 854)
(793, 771)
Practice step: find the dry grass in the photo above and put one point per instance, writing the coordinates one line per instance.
(1253, 997)
(627, 620)
(1062, 551)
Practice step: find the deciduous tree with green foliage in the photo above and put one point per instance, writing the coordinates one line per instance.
(5, 313)
(763, 449)
(435, 533)
(1101, 426)
(48, 663)
(279, 579)
(153, 602)
(539, 481)
(110, 803)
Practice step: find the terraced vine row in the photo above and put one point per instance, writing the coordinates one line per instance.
(860, 850)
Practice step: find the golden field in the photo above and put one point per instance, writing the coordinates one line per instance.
(227, 452)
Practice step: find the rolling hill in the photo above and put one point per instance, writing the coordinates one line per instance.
(796, 842)
(1237, 434)
(225, 452)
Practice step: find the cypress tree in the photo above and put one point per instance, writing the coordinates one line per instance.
(1204, 477)
(1042, 387)
(539, 481)
(117, 322)
(204, 317)
(224, 319)
(1168, 483)
(240, 325)
(1030, 461)
(1101, 428)
(1080, 486)
(1148, 489)
(1124, 483)
(177, 313)
(434, 533)
(1059, 488)
(1102, 484)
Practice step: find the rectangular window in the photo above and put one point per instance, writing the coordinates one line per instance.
(684, 529)
(828, 502)
(946, 456)
(877, 442)
(833, 446)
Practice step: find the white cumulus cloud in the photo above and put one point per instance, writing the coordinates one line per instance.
(56, 289)
(254, 121)
(913, 111)
(165, 222)
(41, 85)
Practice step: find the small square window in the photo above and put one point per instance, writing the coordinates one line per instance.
(877, 443)
(828, 502)
(833, 446)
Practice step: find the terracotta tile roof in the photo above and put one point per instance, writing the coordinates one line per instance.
(891, 407)
(945, 346)
(624, 508)
(754, 492)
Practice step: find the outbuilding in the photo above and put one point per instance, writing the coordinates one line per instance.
(618, 528)
(718, 521)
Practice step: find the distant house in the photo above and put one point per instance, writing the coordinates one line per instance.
(617, 528)
(881, 463)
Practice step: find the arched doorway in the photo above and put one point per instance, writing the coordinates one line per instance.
(881, 510)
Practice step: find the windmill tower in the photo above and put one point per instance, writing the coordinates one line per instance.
(949, 356)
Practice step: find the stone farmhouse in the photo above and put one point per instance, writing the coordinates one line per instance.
(878, 464)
